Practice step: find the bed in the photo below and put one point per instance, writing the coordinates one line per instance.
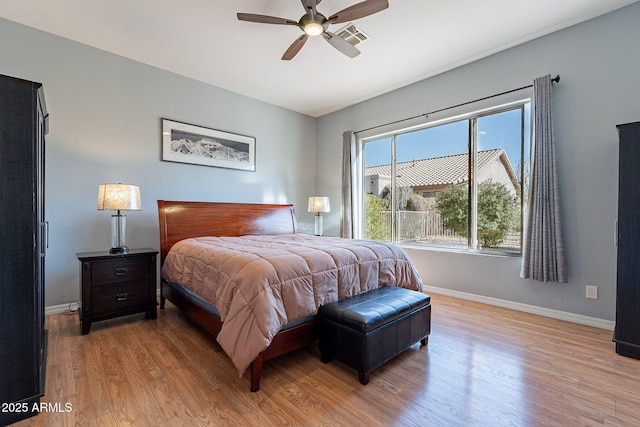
(256, 318)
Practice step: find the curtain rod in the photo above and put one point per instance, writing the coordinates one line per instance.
(556, 79)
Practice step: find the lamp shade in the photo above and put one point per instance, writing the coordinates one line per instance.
(319, 204)
(122, 197)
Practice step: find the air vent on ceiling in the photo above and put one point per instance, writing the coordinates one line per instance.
(352, 34)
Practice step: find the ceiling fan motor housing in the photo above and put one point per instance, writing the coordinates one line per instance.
(314, 25)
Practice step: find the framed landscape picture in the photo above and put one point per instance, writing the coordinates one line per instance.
(185, 143)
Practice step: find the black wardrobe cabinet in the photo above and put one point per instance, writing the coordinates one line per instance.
(627, 331)
(23, 232)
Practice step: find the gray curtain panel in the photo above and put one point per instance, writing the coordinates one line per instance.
(348, 156)
(543, 257)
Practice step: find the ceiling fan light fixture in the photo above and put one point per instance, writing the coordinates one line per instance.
(314, 23)
(313, 29)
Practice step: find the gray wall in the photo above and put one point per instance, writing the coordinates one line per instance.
(105, 127)
(598, 62)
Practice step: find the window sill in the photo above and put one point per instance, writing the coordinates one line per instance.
(424, 247)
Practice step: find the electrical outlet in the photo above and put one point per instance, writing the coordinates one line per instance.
(592, 292)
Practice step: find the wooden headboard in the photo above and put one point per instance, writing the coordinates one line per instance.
(182, 220)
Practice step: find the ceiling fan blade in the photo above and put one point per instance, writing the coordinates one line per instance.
(359, 10)
(264, 19)
(295, 47)
(341, 44)
(309, 4)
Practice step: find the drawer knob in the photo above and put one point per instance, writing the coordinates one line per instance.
(122, 297)
(122, 271)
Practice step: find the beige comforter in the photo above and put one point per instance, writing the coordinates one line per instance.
(260, 283)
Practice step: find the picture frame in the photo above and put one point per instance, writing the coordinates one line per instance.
(198, 145)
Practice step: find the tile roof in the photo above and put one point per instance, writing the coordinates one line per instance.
(436, 171)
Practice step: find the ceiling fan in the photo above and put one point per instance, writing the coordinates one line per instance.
(314, 23)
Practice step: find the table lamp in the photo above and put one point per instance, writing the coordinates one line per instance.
(318, 204)
(119, 197)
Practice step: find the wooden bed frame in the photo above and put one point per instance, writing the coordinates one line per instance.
(182, 220)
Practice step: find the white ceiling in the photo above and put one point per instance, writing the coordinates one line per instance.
(203, 40)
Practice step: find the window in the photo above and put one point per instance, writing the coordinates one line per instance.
(458, 183)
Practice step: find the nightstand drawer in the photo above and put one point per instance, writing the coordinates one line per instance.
(110, 298)
(119, 270)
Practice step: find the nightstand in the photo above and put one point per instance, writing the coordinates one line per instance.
(115, 285)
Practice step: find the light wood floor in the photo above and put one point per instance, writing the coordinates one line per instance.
(483, 366)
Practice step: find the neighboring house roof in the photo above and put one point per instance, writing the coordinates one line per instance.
(441, 171)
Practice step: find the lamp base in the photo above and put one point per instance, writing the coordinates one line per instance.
(119, 250)
(118, 234)
(318, 224)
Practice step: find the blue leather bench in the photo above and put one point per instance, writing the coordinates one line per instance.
(366, 330)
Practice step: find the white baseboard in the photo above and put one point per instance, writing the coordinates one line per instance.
(62, 308)
(547, 312)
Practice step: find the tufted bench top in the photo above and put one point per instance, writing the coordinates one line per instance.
(369, 311)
